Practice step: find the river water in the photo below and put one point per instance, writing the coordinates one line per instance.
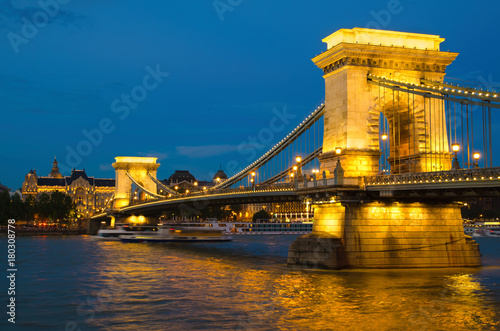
(74, 283)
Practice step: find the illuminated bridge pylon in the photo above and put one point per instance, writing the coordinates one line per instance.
(370, 123)
(131, 171)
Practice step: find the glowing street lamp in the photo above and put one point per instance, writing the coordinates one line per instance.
(384, 136)
(455, 148)
(476, 157)
(298, 159)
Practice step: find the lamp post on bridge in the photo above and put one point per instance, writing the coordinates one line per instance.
(298, 167)
(455, 148)
(476, 157)
(338, 173)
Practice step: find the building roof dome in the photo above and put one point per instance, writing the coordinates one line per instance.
(55, 170)
(221, 175)
(180, 176)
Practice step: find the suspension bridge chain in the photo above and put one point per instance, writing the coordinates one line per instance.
(464, 127)
(303, 140)
(163, 186)
(153, 194)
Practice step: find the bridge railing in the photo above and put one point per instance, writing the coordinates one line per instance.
(313, 181)
(228, 191)
(455, 175)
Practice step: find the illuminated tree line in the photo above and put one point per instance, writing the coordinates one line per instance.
(56, 207)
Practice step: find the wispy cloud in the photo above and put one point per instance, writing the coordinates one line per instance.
(198, 152)
(105, 167)
(159, 155)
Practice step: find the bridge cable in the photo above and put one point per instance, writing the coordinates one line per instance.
(143, 188)
(163, 186)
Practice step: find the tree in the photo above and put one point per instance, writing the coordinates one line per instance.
(261, 215)
(219, 212)
(60, 206)
(4, 207)
(30, 205)
(17, 208)
(44, 206)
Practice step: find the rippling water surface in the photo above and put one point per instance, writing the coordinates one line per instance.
(74, 283)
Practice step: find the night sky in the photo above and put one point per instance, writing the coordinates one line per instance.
(206, 75)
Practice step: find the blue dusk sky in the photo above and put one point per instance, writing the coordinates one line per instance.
(206, 75)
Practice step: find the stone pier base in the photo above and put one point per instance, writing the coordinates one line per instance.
(385, 235)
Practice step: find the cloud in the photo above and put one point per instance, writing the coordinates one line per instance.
(159, 155)
(11, 15)
(198, 152)
(105, 167)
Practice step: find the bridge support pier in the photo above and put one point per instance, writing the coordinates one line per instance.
(385, 235)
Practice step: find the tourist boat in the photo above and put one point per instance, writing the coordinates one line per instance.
(122, 229)
(169, 233)
(253, 228)
(482, 229)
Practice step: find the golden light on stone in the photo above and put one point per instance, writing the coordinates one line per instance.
(455, 147)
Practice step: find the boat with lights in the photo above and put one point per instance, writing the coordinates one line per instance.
(482, 229)
(169, 233)
(123, 229)
(252, 228)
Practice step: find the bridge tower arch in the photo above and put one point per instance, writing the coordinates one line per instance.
(353, 104)
(138, 168)
(361, 231)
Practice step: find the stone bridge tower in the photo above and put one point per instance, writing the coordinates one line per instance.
(374, 232)
(353, 106)
(138, 168)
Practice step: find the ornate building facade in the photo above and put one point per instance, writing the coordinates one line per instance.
(91, 195)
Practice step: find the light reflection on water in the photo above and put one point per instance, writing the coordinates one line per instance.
(245, 285)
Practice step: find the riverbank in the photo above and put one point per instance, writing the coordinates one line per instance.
(33, 233)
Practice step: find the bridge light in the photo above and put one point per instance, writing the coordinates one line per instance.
(384, 136)
(295, 168)
(177, 187)
(455, 147)
(298, 159)
(187, 191)
(338, 150)
(195, 183)
(253, 174)
(476, 157)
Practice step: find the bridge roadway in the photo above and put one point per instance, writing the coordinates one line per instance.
(257, 194)
(446, 185)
